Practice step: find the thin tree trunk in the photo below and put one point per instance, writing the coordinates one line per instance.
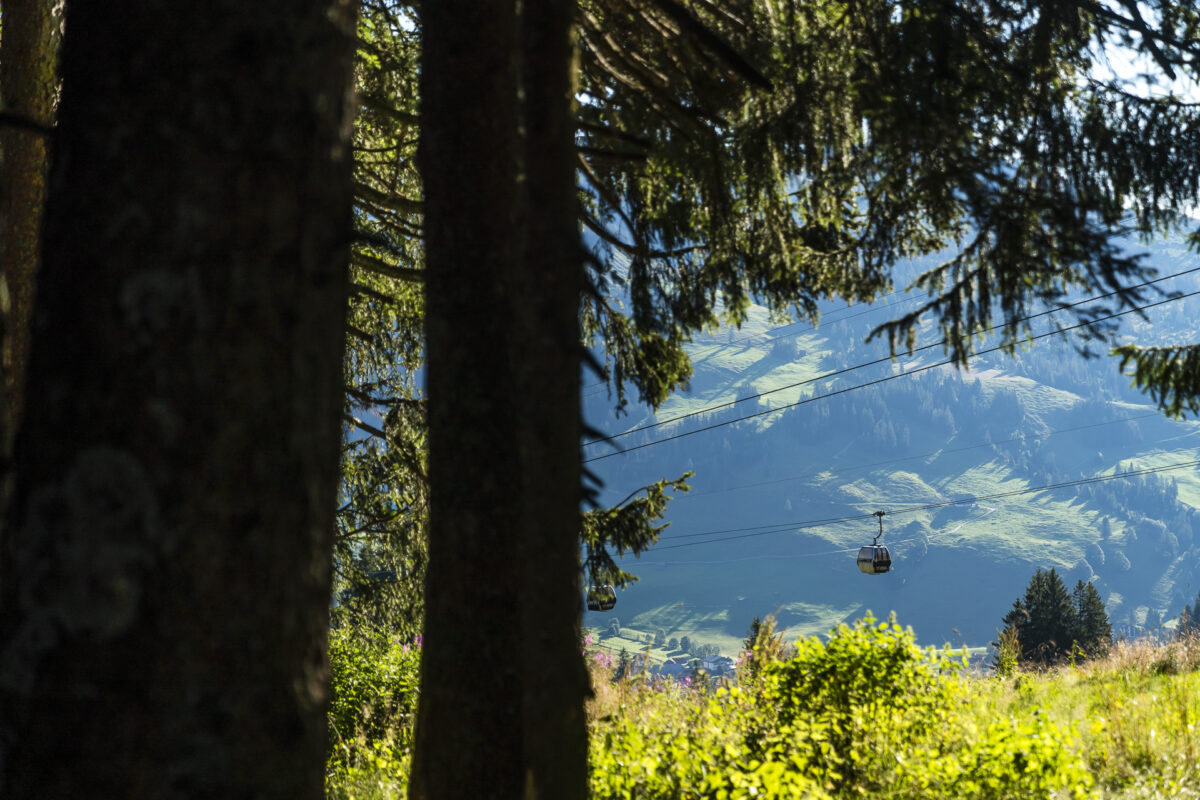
(468, 741)
(502, 687)
(28, 82)
(545, 353)
(165, 566)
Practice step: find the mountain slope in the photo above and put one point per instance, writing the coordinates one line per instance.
(908, 444)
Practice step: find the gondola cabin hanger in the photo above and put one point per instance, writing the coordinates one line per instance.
(874, 559)
(601, 597)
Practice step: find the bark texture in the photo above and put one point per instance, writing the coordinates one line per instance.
(502, 687)
(165, 571)
(29, 83)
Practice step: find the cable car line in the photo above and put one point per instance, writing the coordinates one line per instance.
(940, 452)
(789, 527)
(881, 463)
(830, 318)
(877, 361)
(784, 525)
(825, 319)
(783, 556)
(885, 379)
(773, 556)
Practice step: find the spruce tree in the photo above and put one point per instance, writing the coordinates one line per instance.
(623, 663)
(752, 634)
(1189, 619)
(1093, 632)
(1045, 619)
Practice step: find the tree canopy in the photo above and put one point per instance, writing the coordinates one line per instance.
(784, 152)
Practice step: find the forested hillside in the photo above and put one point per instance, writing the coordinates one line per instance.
(950, 456)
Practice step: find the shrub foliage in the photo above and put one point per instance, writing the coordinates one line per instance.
(865, 713)
(373, 693)
(862, 713)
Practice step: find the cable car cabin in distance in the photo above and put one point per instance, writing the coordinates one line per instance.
(601, 598)
(874, 558)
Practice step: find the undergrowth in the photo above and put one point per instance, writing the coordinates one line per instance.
(372, 707)
(863, 713)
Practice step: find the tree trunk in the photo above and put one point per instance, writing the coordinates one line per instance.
(545, 353)
(165, 572)
(502, 687)
(28, 82)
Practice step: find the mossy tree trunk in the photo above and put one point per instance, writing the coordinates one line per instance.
(165, 571)
(28, 83)
(503, 685)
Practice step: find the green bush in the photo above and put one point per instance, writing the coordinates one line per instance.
(373, 689)
(854, 701)
(688, 745)
(867, 713)
(375, 772)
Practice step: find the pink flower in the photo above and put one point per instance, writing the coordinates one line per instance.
(419, 641)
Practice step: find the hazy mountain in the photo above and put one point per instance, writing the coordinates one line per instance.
(767, 487)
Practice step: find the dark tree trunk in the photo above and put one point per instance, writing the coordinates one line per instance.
(165, 572)
(468, 721)
(28, 81)
(502, 690)
(545, 353)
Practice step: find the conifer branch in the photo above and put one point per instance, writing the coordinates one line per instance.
(381, 267)
(715, 44)
(380, 106)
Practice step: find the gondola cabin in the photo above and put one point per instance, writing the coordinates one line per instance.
(601, 598)
(874, 559)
